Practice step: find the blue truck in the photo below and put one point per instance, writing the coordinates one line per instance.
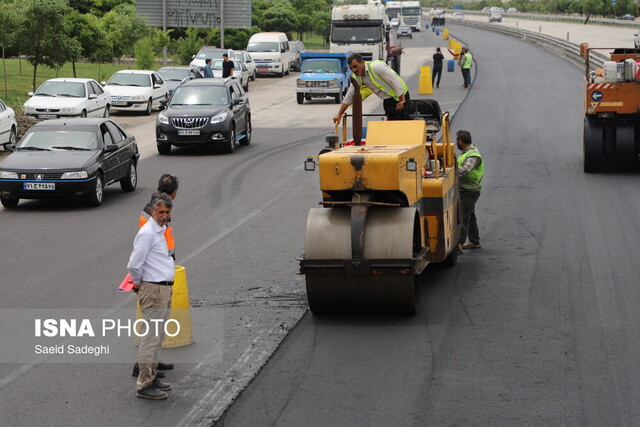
(323, 75)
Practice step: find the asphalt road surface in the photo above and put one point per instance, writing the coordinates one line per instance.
(239, 223)
(539, 327)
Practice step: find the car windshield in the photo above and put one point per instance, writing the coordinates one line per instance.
(263, 47)
(130, 79)
(199, 95)
(356, 34)
(174, 73)
(210, 53)
(321, 66)
(59, 140)
(70, 89)
(411, 11)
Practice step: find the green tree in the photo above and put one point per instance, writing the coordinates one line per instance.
(238, 38)
(44, 34)
(123, 28)
(186, 47)
(85, 29)
(10, 22)
(145, 57)
(280, 17)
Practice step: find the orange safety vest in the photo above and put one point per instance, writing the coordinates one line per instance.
(168, 233)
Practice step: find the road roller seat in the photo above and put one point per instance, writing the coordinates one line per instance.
(396, 132)
(427, 110)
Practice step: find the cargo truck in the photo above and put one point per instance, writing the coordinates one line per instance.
(323, 75)
(360, 29)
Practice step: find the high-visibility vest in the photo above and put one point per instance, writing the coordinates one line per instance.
(168, 232)
(379, 83)
(468, 61)
(473, 180)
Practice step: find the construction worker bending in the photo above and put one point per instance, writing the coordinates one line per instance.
(378, 78)
(471, 172)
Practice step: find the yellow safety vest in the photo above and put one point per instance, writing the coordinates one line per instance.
(379, 83)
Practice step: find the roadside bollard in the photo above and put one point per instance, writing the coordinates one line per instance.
(425, 86)
(451, 65)
(445, 34)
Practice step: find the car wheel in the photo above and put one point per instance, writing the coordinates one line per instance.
(147, 112)
(164, 148)
(254, 76)
(281, 75)
(94, 198)
(300, 98)
(130, 180)
(9, 202)
(246, 139)
(246, 88)
(339, 97)
(83, 114)
(287, 70)
(298, 67)
(107, 112)
(231, 144)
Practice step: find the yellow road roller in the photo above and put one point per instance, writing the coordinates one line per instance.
(389, 208)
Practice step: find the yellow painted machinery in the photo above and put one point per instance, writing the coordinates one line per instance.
(390, 208)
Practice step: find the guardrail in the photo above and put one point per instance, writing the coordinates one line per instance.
(556, 18)
(554, 45)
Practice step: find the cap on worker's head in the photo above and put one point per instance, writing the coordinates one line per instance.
(224, 55)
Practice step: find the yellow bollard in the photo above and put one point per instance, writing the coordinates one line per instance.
(425, 84)
(452, 42)
(445, 34)
(457, 48)
(180, 311)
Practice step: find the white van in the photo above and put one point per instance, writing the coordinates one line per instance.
(271, 53)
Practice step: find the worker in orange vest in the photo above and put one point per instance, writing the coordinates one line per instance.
(167, 184)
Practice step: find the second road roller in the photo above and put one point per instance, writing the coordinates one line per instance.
(389, 208)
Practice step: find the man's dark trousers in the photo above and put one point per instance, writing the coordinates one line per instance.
(469, 227)
(389, 106)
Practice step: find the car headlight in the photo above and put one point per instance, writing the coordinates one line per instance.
(219, 118)
(68, 110)
(276, 60)
(8, 175)
(75, 175)
(27, 109)
(333, 83)
(300, 83)
(162, 119)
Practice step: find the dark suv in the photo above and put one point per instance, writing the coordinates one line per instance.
(205, 112)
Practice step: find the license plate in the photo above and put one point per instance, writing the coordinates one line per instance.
(39, 186)
(316, 90)
(47, 116)
(119, 103)
(263, 70)
(188, 132)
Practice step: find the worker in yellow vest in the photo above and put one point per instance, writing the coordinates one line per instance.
(466, 62)
(168, 184)
(471, 173)
(378, 78)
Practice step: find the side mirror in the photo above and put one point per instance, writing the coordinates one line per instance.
(93, 96)
(10, 147)
(344, 69)
(29, 93)
(110, 148)
(157, 86)
(163, 102)
(237, 101)
(103, 83)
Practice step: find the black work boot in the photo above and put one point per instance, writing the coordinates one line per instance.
(159, 385)
(152, 393)
(165, 366)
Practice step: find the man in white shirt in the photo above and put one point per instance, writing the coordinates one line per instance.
(152, 270)
(378, 78)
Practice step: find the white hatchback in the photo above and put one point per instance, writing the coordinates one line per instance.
(249, 63)
(137, 90)
(8, 125)
(68, 97)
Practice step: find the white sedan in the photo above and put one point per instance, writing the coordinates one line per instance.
(8, 125)
(137, 90)
(240, 71)
(68, 97)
